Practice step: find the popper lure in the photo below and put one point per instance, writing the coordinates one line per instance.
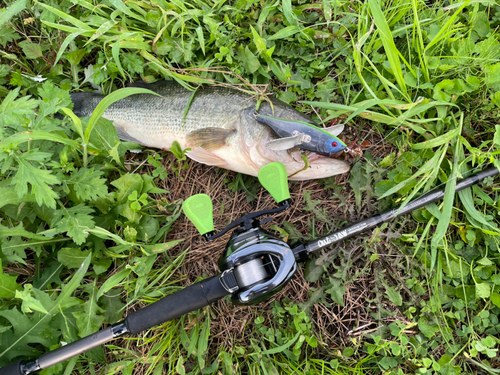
(303, 135)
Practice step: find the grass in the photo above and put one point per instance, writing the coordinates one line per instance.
(418, 81)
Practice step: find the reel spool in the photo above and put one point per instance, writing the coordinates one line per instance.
(260, 263)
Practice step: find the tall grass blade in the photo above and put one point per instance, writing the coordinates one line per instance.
(438, 141)
(36, 135)
(449, 195)
(12, 10)
(72, 20)
(388, 43)
(443, 31)
(76, 121)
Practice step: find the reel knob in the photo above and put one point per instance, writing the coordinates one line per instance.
(274, 178)
(199, 210)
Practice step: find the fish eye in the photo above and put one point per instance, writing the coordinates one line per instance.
(334, 144)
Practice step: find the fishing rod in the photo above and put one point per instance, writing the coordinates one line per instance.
(254, 266)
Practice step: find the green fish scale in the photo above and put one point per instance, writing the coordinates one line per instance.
(210, 108)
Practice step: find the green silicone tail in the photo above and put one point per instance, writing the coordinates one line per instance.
(275, 180)
(199, 210)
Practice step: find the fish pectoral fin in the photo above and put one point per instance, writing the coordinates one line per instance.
(210, 139)
(206, 157)
(123, 135)
(335, 130)
(287, 143)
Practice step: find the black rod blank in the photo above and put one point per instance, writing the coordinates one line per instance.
(303, 251)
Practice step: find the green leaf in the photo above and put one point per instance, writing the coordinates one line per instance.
(394, 296)
(8, 195)
(113, 306)
(428, 330)
(31, 50)
(13, 111)
(496, 137)
(76, 221)
(337, 291)
(288, 12)
(89, 320)
(88, 184)
(8, 284)
(39, 179)
(19, 231)
(82, 26)
(488, 342)
(7, 35)
(313, 272)
(481, 24)
(280, 348)
(133, 63)
(252, 63)
(75, 57)
(65, 44)
(29, 302)
(126, 185)
(159, 247)
(495, 299)
(72, 257)
(358, 182)
(493, 76)
(483, 290)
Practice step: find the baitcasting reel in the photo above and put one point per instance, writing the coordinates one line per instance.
(255, 264)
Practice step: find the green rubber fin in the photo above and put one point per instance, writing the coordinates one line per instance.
(199, 210)
(275, 180)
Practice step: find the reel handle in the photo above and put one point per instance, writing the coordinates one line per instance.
(274, 178)
(199, 210)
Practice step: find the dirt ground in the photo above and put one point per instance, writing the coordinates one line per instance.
(337, 324)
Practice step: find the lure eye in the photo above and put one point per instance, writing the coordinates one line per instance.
(334, 144)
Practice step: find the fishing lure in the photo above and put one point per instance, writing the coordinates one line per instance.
(304, 135)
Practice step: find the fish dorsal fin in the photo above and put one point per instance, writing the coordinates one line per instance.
(208, 138)
(287, 143)
(206, 157)
(335, 130)
(145, 85)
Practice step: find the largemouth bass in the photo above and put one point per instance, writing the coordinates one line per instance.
(220, 127)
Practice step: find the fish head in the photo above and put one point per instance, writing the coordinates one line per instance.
(256, 136)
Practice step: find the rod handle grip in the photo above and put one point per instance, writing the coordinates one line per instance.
(192, 298)
(12, 369)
